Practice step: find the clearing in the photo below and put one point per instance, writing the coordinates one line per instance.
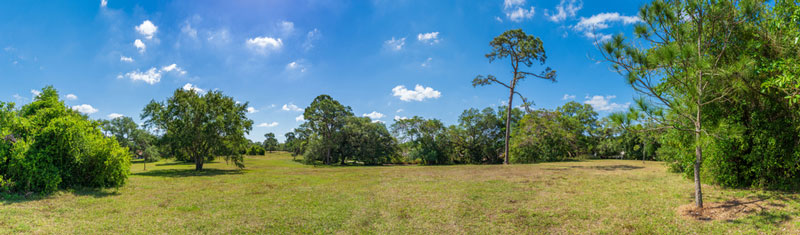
(277, 195)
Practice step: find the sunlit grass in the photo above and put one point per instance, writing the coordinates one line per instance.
(277, 195)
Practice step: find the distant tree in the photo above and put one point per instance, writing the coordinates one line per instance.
(427, 140)
(122, 128)
(522, 50)
(270, 143)
(368, 142)
(326, 117)
(479, 136)
(580, 121)
(202, 126)
(139, 142)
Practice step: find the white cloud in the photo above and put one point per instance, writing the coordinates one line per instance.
(399, 110)
(190, 87)
(512, 3)
(220, 36)
(19, 98)
(71, 97)
(115, 115)
(427, 62)
(430, 38)
(36, 93)
(373, 115)
(419, 93)
(140, 45)
(498, 19)
(251, 110)
(84, 108)
(603, 103)
(291, 107)
(286, 28)
(265, 44)
(125, 59)
(398, 118)
(567, 8)
(568, 97)
(264, 124)
(296, 66)
(600, 37)
(395, 44)
(299, 118)
(151, 76)
(173, 67)
(311, 37)
(378, 121)
(103, 3)
(147, 29)
(188, 30)
(515, 10)
(601, 21)
(520, 14)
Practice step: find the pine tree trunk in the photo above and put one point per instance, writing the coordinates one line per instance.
(698, 152)
(508, 122)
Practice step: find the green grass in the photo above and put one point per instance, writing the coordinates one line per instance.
(277, 195)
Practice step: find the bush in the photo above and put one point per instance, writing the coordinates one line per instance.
(51, 147)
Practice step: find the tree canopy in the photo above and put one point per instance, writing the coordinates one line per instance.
(201, 126)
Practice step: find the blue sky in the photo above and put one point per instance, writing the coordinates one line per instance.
(386, 59)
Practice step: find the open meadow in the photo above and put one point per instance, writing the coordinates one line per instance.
(274, 195)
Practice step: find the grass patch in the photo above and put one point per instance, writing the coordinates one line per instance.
(277, 195)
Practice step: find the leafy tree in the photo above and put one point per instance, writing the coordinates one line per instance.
(579, 121)
(368, 142)
(540, 137)
(122, 129)
(326, 117)
(202, 126)
(45, 146)
(270, 142)
(427, 140)
(478, 138)
(139, 142)
(690, 52)
(522, 50)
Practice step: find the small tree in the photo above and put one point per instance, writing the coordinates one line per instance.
(201, 125)
(522, 50)
(270, 143)
(691, 51)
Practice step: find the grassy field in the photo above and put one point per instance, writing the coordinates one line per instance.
(277, 195)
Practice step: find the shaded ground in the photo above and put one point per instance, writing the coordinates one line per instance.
(276, 195)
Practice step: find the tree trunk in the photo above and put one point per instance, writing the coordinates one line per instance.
(198, 163)
(644, 151)
(328, 156)
(698, 152)
(508, 121)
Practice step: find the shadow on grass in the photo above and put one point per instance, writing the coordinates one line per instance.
(180, 163)
(174, 173)
(766, 219)
(611, 167)
(12, 198)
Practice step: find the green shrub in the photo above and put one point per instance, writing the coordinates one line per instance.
(54, 147)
